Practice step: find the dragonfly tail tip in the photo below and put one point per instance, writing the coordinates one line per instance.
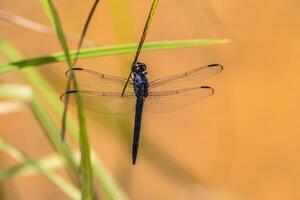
(133, 161)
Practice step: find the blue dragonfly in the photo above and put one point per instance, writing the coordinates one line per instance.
(109, 94)
(105, 93)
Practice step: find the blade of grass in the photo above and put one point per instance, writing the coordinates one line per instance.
(38, 82)
(53, 17)
(49, 94)
(82, 36)
(66, 187)
(53, 134)
(107, 51)
(35, 26)
(26, 169)
(53, 161)
(85, 164)
(84, 31)
(146, 28)
(42, 115)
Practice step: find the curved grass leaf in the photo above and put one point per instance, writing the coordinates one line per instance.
(107, 51)
(110, 188)
(53, 133)
(85, 164)
(43, 116)
(47, 92)
(66, 187)
(26, 169)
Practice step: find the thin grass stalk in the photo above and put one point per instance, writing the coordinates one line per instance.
(85, 164)
(84, 31)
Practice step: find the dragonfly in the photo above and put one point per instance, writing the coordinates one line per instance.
(104, 93)
(110, 94)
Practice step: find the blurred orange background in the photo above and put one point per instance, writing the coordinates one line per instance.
(239, 144)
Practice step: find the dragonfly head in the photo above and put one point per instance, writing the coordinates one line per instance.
(139, 68)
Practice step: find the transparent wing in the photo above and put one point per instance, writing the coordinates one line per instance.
(103, 102)
(91, 80)
(167, 101)
(192, 77)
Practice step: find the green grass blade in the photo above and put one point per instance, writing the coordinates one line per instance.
(85, 164)
(14, 91)
(66, 187)
(48, 93)
(26, 169)
(108, 185)
(38, 82)
(107, 51)
(53, 134)
(53, 16)
(42, 114)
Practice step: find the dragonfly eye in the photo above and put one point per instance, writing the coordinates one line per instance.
(144, 67)
(139, 67)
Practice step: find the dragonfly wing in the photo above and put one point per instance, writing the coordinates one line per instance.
(194, 76)
(91, 80)
(167, 101)
(103, 102)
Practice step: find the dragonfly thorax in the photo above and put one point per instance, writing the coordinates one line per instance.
(140, 80)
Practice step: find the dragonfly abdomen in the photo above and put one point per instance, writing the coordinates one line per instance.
(137, 127)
